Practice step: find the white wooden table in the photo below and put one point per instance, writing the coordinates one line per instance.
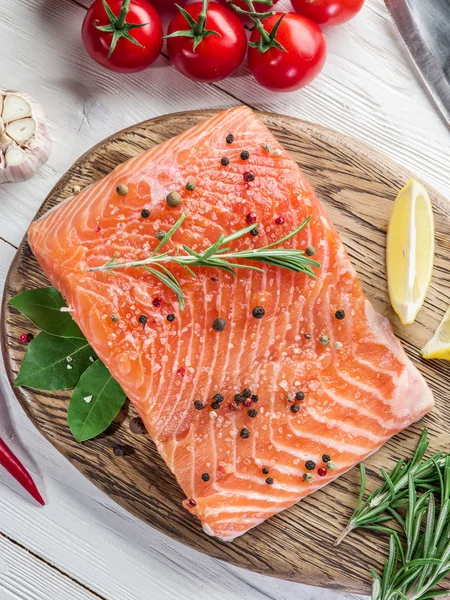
(83, 546)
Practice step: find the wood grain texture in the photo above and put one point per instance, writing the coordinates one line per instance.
(357, 187)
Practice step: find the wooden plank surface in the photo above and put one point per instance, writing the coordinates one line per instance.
(367, 90)
(357, 187)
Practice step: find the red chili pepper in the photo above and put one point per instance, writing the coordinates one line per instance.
(12, 464)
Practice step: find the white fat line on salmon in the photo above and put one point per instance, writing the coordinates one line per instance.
(345, 427)
(326, 442)
(348, 403)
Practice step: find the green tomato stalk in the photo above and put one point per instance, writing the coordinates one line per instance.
(118, 25)
(268, 40)
(197, 29)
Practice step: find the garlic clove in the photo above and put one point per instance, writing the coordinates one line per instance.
(14, 156)
(2, 127)
(21, 131)
(5, 140)
(15, 107)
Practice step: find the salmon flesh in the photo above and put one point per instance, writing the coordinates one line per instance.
(319, 344)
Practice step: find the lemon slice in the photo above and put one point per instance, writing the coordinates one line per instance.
(439, 345)
(410, 250)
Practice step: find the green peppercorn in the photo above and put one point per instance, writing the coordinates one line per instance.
(174, 199)
(310, 250)
(122, 189)
(324, 340)
(114, 318)
(160, 234)
(190, 186)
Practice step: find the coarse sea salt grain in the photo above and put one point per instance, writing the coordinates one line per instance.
(91, 358)
(69, 366)
(69, 359)
(87, 399)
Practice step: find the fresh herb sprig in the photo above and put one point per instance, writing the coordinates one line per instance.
(382, 503)
(219, 256)
(415, 497)
(415, 572)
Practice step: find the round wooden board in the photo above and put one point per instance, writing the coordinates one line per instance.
(357, 187)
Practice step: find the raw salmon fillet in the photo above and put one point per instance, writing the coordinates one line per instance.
(359, 389)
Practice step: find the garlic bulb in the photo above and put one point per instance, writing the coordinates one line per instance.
(24, 142)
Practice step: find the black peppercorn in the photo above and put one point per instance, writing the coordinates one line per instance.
(249, 176)
(300, 396)
(245, 434)
(258, 312)
(199, 405)
(145, 213)
(254, 398)
(119, 450)
(310, 465)
(245, 155)
(239, 398)
(252, 413)
(269, 481)
(30, 338)
(218, 398)
(246, 393)
(171, 318)
(143, 321)
(137, 426)
(230, 138)
(265, 470)
(224, 161)
(326, 458)
(340, 314)
(206, 477)
(219, 324)
(254, 232)
(215, 405)
(295, 408)
(307, 336)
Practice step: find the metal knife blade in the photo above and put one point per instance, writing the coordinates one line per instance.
(424, 26)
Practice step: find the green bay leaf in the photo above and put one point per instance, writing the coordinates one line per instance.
(43, 308)
(95, 402)
(54, 363)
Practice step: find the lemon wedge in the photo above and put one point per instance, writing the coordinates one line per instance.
(410, 250)
(439, 345)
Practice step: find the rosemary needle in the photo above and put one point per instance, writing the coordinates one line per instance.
(218, 255)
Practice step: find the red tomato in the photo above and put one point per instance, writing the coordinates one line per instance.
(126, 57)
(328, 12)
(216, 56)
(303, 60)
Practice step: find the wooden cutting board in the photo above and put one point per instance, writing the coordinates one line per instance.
(357, 187)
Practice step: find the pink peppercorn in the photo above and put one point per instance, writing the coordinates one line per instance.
(249, 176)
(157, 302)
(279, 220)
(192, 502)
(248, 402)
(23, 338)
(233, 406)
(251, 218)
(321, 471)
(97, 229)
(181, 372)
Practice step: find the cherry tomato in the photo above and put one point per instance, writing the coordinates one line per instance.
(303, 60)
(216, 56)
(126, 56)
(328, 12)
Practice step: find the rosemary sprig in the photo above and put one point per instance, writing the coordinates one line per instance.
(382, 503)
(415, 572)
(417, 496)
(218, 255)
